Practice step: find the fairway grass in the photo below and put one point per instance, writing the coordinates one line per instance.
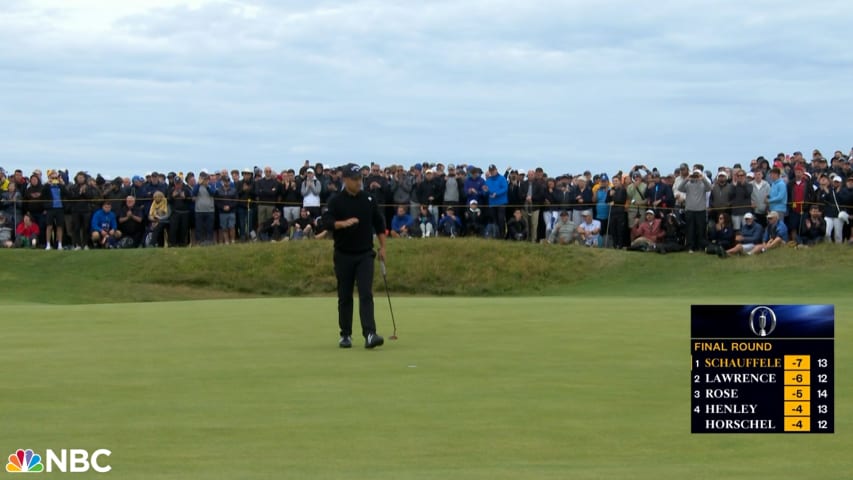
(482, 388)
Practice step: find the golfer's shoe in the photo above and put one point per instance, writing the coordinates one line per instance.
(373, 340)
(345, 342)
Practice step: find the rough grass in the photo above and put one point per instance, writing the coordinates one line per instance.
(462, 267)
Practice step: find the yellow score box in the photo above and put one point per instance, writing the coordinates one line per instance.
(794, 409)
(798, 362)
(797, 377)
(801, 394)
(797, 424)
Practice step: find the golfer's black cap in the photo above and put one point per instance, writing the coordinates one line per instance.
(351, 170)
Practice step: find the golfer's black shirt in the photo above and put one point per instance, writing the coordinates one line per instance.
(357, 238)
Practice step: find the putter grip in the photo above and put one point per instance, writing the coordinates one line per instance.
(382, 267)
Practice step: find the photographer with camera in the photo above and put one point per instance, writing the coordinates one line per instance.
(695, 208)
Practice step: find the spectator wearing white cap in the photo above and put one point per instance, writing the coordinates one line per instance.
(750, 235)
(475, 220)
(589, 230)
(311, 189)
(429, 192)
(647, 234)
(775, 235)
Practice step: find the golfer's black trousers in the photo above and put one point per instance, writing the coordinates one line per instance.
(349, 270)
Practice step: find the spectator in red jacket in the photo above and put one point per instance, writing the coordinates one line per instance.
(645, 235)
(27, 232)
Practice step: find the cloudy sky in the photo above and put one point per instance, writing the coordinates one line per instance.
(123, 87)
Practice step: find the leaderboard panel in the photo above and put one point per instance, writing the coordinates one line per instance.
(762, 368)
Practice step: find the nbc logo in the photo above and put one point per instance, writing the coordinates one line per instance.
(24, 461)
(74, 460)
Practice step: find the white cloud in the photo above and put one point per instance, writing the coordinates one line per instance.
(551, 82)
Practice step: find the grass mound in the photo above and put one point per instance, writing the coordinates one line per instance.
(460, 267)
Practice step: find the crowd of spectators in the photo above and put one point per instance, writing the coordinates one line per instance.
(738, 209)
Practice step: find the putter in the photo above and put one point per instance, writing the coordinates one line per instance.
(388, 294)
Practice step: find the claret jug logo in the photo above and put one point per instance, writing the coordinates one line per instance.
(762, 321)
(24, 461)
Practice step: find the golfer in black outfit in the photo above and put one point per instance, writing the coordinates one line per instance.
(355, 216)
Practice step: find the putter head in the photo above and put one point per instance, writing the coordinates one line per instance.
(393, 337)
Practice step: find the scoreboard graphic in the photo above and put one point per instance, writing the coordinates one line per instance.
(762, 368)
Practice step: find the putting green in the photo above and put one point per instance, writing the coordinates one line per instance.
(485, 388)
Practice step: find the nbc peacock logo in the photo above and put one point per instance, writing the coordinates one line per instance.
(24, 461)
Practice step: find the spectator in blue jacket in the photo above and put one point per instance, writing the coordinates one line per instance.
(401, 224)
(473, 187)
(778, 198)
(603, 200)
(450, 224)
(105, 233)
(751, 234)
(496, 190)
(775, 235)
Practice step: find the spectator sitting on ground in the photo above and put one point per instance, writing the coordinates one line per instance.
(450, 224)
(105, 233)
(475, 220)
(564, 230)
(673, 234)
(647, 234)
(721, 235)
(517, 226)
(425, 222)
(751, 234)
(814, 227)
(275, 229)
(304, 226)
(27, 232)
(158, 220)
(401, 223)
(5, 231)
(130, 223)
(589, 230)
(775, 235)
